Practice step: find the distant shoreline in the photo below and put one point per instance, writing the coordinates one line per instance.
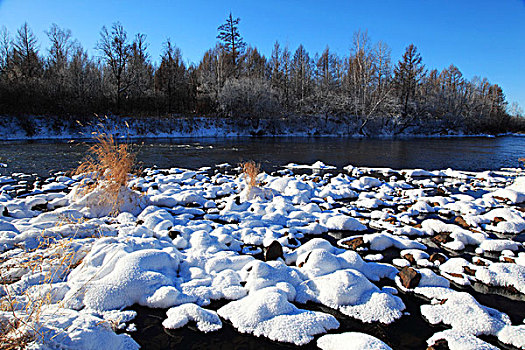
(44, 128)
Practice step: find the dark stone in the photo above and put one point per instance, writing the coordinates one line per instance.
(409, 277)
(173, 234)
(461, 222)
(5, 212)
(497, 220)
(441, 191)
(438, 257)
(441, 344)
(292, 241)
(354, 243)
(274, 251)
(238, 200)
(410, 258)
(480, 262)
(441, 238)
(39, 207)
(469, 271)
(192, 205)
(391, 220)
(139, 222)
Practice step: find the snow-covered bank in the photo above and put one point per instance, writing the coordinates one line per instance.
(356, 241)
(40, 128)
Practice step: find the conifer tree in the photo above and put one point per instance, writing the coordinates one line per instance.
(231, 40)
(407, 75)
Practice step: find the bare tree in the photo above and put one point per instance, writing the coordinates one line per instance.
(61, 47)
(171, 79)
(116, 52)
(5, 50)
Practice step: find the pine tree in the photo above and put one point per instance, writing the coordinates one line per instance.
(407, 75)
(232, 41)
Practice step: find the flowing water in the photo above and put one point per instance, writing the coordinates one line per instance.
(476, 153)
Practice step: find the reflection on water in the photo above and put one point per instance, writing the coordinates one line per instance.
(434, 153)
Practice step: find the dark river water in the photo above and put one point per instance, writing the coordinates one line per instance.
(476, 153)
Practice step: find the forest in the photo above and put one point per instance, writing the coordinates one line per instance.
(234, 80)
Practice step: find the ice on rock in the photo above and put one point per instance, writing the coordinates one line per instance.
(179, 316)
(498, 245)
(353, 294)
(167, 296)
(318, 262)
(314, 243)
(259, 275)
(514, 193)
(220, 263)
(513, 335)
(383, 240)
(267, 312)
(344, 223)
(454, 269)
(351, 341)
(465, 315)
(460, 341)
(503, 275)
(118, 273)
(512, 222)
(84, 331)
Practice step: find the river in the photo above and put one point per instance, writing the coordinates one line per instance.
(472, 153)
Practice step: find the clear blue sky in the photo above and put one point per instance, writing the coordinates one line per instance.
(483, 37)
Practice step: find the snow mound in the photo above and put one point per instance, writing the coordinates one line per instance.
(351, 341)
(460, 341)
(268, 313)
(118, 273)
(353, 294)
(179, 316)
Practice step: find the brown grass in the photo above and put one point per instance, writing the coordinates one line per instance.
(23, 327)
(109, 165)
(250, 169)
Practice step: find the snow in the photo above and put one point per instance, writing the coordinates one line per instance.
(503, 275)
(464, 314)
(268, 313)
(351, 341)
(353, 294)
(460, 341)
(179, 316)
(189, 238)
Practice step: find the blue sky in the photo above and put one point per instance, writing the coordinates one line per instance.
(485, 38)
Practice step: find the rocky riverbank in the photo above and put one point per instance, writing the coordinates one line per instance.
(374, 257)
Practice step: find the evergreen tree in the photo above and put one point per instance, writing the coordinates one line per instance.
(231, 40)
(26, 61)
(407, 75)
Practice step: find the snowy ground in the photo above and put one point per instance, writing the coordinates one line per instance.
(38, 128)
(359, 242)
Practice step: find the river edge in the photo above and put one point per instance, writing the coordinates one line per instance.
(132, 128)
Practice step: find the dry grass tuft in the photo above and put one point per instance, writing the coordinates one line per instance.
(108, 165)
(250, 169)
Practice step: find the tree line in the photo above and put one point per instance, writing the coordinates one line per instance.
(235, 80)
